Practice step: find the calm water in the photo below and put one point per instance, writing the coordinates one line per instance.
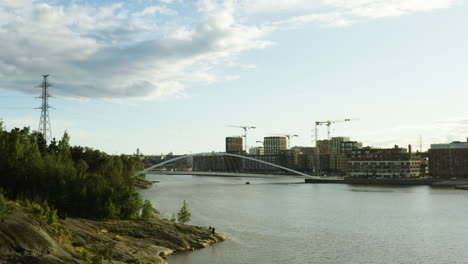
(277, 220)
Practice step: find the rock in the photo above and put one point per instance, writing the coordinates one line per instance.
(27, 239)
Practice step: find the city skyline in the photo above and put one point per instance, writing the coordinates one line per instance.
(169, 76)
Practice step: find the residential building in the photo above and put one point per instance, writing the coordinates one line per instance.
(449, 160)
(273, 145)
(383, 163)
(234, 145)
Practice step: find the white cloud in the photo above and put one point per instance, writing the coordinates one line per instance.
(151, 10)
(112, 52)
(91, 52)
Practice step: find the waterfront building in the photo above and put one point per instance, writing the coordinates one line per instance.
(338, 164)
(217, 164)
(383, 163)
(290, 158)
(273, 145)
(234, 145)
(449, 160)
(333, 158)
(308, 159)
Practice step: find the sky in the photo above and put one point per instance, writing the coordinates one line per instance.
(172, 75)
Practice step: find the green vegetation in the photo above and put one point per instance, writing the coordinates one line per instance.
(183, 216)
(147, 210)
(74, 181)
(5, 207)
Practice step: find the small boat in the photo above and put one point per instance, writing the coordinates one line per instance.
(247, 182)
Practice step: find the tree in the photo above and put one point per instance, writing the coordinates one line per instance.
(87, 182)
(147, 210)
(184, 215)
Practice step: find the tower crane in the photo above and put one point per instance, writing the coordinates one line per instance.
(328, 124)
(288, 136)
(245, 133)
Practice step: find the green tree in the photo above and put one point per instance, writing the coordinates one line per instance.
(87, 182)
(184, 215)
(147, 210)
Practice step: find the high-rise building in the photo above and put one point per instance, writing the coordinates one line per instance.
(449, 160)
(336, 144)
(273, 145)
(234, 145)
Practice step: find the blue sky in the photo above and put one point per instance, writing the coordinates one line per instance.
(170, 75)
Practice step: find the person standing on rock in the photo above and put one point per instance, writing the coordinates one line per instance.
(213, 231)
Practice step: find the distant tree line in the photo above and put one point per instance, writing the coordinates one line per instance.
(77, 181)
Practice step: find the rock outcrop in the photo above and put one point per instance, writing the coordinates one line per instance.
(26, 238)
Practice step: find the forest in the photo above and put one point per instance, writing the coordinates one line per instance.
(76, 181)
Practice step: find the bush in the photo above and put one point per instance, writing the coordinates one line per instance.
(147, 210)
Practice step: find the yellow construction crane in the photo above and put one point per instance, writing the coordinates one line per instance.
(328, 124)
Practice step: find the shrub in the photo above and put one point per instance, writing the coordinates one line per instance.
(147, 210)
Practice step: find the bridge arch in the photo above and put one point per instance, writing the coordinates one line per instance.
(222, 154)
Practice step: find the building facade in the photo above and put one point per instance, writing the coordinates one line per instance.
(274, 145)
(336, 144)
(383, 163)
(449, 160)
(234, 145)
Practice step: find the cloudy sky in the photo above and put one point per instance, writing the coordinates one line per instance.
(170, 75)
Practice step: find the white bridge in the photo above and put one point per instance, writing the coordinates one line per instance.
(224, 154)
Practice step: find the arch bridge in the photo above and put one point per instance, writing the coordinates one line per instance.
(223, 154)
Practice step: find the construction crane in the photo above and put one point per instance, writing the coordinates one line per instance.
(245, 133)
(288, 137)
(328, 124)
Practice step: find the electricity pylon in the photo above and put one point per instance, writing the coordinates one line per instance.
(44, 122)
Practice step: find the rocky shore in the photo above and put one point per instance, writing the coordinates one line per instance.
(26, 238)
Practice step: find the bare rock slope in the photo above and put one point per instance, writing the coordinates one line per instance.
(26, 238)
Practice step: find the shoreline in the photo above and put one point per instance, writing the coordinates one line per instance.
(27, 238)
(396, 182)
